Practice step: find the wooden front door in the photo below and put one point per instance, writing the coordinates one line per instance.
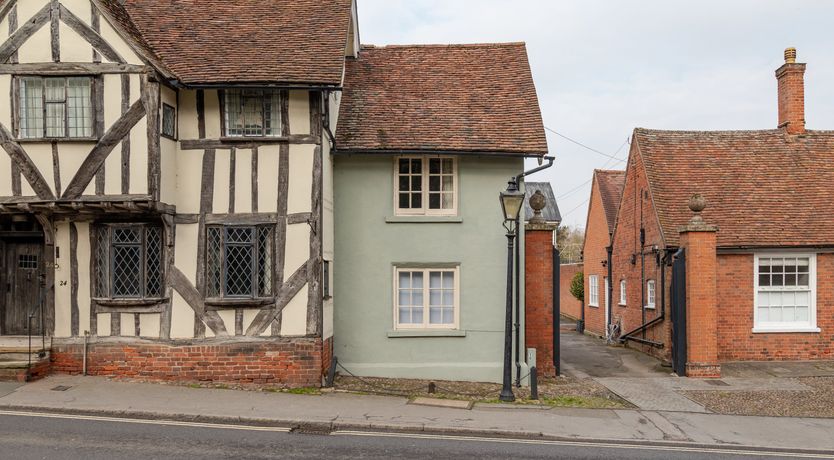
(20, 287)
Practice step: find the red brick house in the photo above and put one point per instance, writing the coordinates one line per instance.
(606, 193)
(759, 260)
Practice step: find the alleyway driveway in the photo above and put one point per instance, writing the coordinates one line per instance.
(646, 383)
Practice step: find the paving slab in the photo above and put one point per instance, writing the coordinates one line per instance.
(651, 394)
(436, 402)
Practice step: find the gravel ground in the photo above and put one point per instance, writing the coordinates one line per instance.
(817, 402)
(562, 391)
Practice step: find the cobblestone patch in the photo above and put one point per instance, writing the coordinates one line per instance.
(815, 400)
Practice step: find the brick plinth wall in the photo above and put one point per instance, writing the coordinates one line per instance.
(326, 355)
(538, 300)
(699, 240)
(290, 362)
(569, 305)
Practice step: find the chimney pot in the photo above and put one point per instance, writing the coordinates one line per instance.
(790, 55)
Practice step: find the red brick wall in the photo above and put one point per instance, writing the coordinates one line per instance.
(538, 297)
(792, 97)
(737, 342)
(326, 355)
(636, 211)
(594, 253)
(569, 305)
(701, 304)
(295, 362)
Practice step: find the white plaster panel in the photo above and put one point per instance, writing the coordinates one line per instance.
(80, 8)
(189, 180)
(128, 325)
(6, 89)
(294, 315)
(139, 158)
(301, 178)
(187, 115)
(212, 106)
(38, 48)
(41, 155)
(4, 28)
(70, 157)
(243, 181)
(228, 317)
(185, 255)
(222, 167)
(117, 43)
(149, 325)
(268, 159)
(113, 172)
(297, 248)
(103, 321)
(182, 318)
(112, 99)
(28, 8)
(84, 256)
(63, 325)
(168, 170)
(299, 111)
(5, 174)
(327, 313)
(209, 332)
(74, 48)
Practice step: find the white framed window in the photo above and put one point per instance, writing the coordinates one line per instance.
(593, 291)
(426, 185)
(785, 293)
(623, 293)
(651, 294)
(426, 298)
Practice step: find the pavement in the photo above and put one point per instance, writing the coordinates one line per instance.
(345, 412)
(649, 385)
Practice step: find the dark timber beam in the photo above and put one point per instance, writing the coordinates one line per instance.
(69, 68)
(25, 31)
(105, 145)
(25, 165)
(6, 8)
(99, 43)
(288, 291)
(193, 298)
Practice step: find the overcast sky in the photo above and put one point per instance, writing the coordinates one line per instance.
(603, 68)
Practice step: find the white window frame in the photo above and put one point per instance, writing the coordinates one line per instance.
(425, 210)
(811, 325)
(607, 296)
(651, 294)
(426, 313)
(593, 291)
(623, 293)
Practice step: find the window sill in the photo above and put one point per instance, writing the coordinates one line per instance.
(423, 220)
(785, 330)
(405, 333)
(621, 305)
(128, 302)
(593, 306)
(239, 303)
(650, 307)
(41, 140)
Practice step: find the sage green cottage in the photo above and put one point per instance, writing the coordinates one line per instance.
(426, 139)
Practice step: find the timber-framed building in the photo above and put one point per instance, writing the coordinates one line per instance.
(165, 184)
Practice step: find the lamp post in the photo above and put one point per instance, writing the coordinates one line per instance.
(511, 201)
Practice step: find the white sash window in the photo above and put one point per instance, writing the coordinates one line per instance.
(785, 293)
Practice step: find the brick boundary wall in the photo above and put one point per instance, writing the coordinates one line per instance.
(568, 304)
(538, 295)
(326, 355)
(290, 362)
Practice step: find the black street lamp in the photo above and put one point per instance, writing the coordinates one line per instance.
(511, 201)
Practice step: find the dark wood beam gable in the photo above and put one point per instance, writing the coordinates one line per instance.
(70, 68)
(4, 10)
(24, 32)
(54, 26)
(101, 45)
(105, 145)
(193, 298)
(25, 165)
(288, 291)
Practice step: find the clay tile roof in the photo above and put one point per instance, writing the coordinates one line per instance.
(476, 98)
(241, 41)
(763, 188)
(611, 183)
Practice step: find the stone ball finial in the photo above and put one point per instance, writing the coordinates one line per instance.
(538, 202)
(697, 203)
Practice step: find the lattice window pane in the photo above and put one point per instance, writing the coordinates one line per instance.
(169, 121)
(214, 267)
(153, 255)
(272, 113)
(126, 235)
(31, 107)
(239, 270)
(102, 239)
(253, 113)
(265, 244)
(79, 107)
(234, 114)
(127, 271)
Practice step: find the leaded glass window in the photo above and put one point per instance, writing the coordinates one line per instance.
(128, 261)
(56, 107)
(169, 121)
(252, 113)
(239, 261)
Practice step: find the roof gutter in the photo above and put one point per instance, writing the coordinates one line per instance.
(176, 83)
(439, 152)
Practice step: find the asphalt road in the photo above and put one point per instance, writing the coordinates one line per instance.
(44, 436)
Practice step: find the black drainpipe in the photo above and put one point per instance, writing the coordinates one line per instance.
(646, 325)
(609, 250)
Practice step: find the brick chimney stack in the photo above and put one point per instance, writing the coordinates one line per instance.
(791, 78)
